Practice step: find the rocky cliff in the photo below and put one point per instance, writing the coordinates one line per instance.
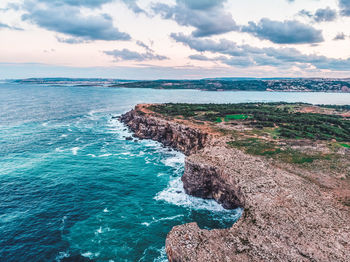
(171, 134)
(287, 217)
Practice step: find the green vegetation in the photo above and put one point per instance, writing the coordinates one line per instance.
(337, 107)
(345, 145)
(255, 146)
(204, 84)
(285, 121)
(239, 84)
(236, 117)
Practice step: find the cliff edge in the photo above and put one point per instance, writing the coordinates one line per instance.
(288, 214)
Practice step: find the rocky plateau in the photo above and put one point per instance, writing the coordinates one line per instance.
(287, 215)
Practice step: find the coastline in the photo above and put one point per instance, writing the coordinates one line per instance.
(286, 215)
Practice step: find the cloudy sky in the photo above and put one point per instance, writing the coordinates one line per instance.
(152, 39)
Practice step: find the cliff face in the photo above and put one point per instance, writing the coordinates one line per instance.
(174, 135)
(205, 181)
(286, 216)
(199, 179)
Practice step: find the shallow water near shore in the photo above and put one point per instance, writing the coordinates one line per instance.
(72, 186)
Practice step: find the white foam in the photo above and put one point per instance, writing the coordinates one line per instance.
(63, 223)
(105, 155)
(118, 128)
(162, 257)
(127, 154)
(59, 149)
(75, 150)
(88, 254)
(92, 155)
(99, 230)
(105, 210)
(64, 135)
(92, 112)
(176, 161)
(92, 115)
(62, 255)
(168, 218)
(175, 194)
(147, 224)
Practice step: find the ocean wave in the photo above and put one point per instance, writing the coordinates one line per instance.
(105, 155)
(90, 255)
(162, 257)
(162, 254)
(175, 194)
(177, 159)
(101, 230)
(118, 128)
(62, 255)
(147, 224)
(59, 149)
(75, 150)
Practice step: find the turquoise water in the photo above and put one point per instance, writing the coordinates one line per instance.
(73, 189)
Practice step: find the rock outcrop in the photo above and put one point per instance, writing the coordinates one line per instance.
(287, 217)
(171, 134)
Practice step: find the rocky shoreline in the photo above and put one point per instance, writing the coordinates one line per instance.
(287, 217)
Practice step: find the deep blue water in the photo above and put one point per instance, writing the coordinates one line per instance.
(72, 187)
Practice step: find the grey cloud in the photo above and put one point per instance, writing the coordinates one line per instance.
(142, 44)
(222, 46)
(246, 55)
(132, 4)
(340, 36)
(199, 57)
(126, 54)
(71, 40)
(287, 32)
(5, 26)
(344, 7)
(321, 15)
(11, 6)
(325, 15)
(207, 17)
(210, 18)
(202, 4)
(238, 61)
(85, 3)
(305, 13)
(69, 20)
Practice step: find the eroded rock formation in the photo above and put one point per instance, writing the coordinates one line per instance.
(287, 217)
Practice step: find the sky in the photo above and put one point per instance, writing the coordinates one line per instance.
(174, 39)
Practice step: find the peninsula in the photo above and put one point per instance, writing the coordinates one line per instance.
(331, 85)
(286, 165)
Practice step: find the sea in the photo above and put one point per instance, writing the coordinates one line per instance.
(72, 188)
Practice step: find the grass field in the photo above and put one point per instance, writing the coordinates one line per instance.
(284, 118)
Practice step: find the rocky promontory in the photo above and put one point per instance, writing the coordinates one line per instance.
(291, 213)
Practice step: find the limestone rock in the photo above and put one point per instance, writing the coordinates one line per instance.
(286, 216)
